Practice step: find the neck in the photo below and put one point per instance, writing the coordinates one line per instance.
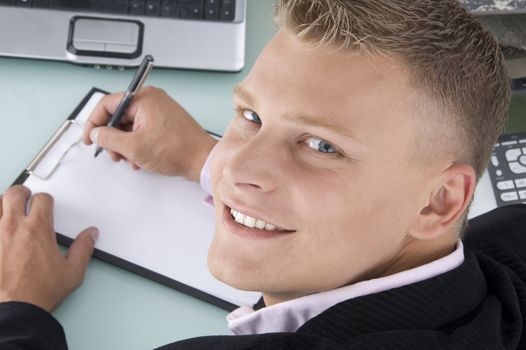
(414, 253)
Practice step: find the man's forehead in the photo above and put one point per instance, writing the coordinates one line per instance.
(349, 91)
(323, 120)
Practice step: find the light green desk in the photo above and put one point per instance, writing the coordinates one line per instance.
(115, 309)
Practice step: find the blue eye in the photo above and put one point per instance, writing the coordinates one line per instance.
(252, 116)
(320, 145)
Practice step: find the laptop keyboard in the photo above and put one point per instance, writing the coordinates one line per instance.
(215, 10)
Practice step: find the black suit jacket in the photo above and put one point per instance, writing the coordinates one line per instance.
(478, 305)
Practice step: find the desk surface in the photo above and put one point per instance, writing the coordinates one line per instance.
(115, 309)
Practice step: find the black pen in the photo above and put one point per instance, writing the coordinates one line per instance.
(135, 86)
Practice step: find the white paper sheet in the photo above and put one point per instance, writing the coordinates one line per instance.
(160, 223)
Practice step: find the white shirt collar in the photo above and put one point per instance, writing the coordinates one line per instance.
(290, 315)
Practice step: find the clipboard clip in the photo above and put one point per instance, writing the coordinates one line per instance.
(33, 166)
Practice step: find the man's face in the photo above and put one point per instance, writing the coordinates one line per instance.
(320, 148)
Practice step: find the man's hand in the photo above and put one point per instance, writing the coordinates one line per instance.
(157, 134)
(32, 267)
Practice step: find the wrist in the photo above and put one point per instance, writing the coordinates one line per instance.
(206, 146)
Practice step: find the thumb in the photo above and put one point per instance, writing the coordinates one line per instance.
(112, 139)
(80, 252)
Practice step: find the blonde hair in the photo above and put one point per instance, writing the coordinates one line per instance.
(451, 59)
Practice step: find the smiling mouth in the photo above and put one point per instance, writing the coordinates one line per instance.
(254, 223)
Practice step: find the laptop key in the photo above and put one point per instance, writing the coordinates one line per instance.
(23, 3)
(136, 7)
(41, 3)
(70, 5)
(211, 9)
(121, 6)
(152, 8)
(168, 8)
(191, 9)
(227, 10)
(190, 13)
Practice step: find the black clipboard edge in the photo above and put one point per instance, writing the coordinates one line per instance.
(154, 276)
(124, 264)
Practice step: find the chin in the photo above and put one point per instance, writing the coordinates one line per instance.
(230, 268)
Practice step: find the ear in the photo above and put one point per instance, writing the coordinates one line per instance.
(447, 203)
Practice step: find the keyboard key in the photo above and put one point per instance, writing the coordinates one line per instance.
(112, 6)
(121, 6)
(212, 9)
(498, 172)
(23, 3)
(227, 10)
(227, 14)
(509, 196)
(136, 7)
(190, 12)
(211, 14)
(41, 3)
(168, 8)
(505, 185)
(191, 3)
(520, 182)
(508, 143)
(522, 141)
(522, 194)
(522, 160)
(517, 168)
(513, 154)
(190, 9)
(71, 4)
(153, 8)
(494, 161)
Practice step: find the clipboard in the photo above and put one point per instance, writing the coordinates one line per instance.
(153, 225)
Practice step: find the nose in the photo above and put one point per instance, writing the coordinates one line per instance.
(257, 165)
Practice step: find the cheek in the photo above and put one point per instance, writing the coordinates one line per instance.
(222, 152)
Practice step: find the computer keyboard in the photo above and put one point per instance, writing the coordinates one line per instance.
(215, 10)
(507, 169)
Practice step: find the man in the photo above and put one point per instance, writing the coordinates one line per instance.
(340, 189)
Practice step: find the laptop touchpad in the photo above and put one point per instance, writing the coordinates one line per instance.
(90, 36)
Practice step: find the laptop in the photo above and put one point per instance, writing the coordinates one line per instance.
(191, 34)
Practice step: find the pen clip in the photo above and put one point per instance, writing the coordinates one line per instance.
(143, 77)
(47, 148)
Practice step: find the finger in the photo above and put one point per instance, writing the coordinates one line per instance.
(41, 208)
(102, 114)
(80, 252)
(115, 140)
(115, 156)
(135, 166)
(14, 201)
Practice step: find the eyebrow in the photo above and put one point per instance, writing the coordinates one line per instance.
(244, 94)
(326, 123)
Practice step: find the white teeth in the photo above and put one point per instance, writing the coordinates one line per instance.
(260, 224)
(240, 217)
(270, 227)
(250, 221)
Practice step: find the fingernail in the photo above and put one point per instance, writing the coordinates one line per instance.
(94, 233)
(94, 135)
